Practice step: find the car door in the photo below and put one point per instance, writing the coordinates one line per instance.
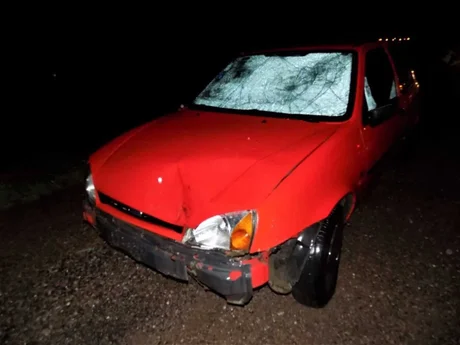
(382, 119)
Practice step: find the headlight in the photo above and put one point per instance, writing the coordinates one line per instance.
(231, 231)
(90, 190)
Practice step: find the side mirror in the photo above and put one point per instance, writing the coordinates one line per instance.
(371, 117)
(376, 116)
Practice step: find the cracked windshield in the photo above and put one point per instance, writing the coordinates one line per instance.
(309, 84)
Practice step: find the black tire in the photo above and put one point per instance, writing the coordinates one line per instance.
(318, 278)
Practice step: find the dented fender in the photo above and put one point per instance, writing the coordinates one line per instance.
(311, 191)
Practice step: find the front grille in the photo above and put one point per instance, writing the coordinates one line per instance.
(105, 199)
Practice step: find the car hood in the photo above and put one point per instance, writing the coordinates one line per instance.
(185, 167)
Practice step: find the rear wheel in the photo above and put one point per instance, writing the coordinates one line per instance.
(318, 278)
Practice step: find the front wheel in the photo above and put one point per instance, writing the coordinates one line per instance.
(318, 279)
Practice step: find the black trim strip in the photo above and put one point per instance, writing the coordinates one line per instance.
(105, 199)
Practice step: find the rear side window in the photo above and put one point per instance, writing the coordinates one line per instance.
(380, 85)
(404, 62)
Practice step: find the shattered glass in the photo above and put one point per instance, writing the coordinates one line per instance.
(309, 84)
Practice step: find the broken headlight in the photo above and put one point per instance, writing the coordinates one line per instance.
(231, 231)
(90, 190)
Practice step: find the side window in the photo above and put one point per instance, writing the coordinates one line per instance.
(380, 85)
(403, 58)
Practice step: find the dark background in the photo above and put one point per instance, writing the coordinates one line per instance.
(71, 86)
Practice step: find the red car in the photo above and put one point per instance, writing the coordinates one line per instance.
(253, 181)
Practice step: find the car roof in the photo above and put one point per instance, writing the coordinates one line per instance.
(331, 45)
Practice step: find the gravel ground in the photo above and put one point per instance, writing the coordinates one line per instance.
(399, 281)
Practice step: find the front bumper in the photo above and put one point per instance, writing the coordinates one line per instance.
(229, 277)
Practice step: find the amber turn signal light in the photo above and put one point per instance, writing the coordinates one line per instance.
(242, 233)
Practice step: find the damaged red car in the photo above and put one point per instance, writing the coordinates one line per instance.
(253, 181)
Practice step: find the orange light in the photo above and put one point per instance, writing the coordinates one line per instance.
(242, 233)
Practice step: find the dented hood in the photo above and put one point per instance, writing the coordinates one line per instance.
(185, 167)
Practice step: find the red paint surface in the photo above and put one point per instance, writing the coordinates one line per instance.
(213, 163)
(234, 275)
(259, 270)
(206, 163)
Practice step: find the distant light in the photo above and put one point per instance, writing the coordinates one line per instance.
(400, 39)
(394, 39)
(380, 39)
(386, 39)
(408, 38)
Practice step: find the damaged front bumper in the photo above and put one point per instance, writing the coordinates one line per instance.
(229, 277)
